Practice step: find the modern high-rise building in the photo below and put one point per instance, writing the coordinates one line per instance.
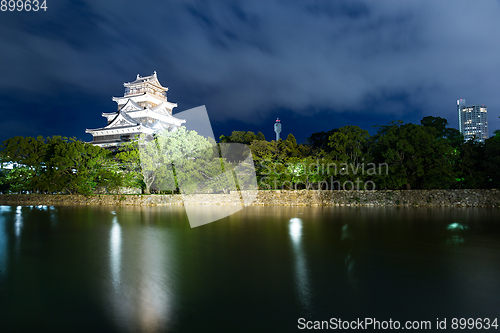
(472, 120)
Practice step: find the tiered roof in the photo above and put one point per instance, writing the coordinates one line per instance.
(144, 108)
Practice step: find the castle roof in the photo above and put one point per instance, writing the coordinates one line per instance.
(152, 79)
(144, 108)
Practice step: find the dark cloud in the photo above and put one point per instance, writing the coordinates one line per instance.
(249, 61)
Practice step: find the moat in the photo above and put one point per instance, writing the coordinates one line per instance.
(143, 269)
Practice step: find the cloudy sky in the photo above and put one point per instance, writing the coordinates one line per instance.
(317, 65)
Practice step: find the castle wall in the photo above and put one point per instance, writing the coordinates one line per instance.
(421, 198)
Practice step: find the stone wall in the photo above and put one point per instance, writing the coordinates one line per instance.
(425, 198)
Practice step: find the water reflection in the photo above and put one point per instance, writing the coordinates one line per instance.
(115, 253)
(18, 222)
(148, 268)
(295, 230)
(141, 285)
(456, 226)
(202, 214)
(346, 237)
(455, 238)
(53, 216)
(345, 233)
(154, 295)
(3, 247)
(300, 266)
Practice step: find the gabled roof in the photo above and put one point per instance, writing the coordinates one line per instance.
(162, 116)
(152, 79)
(109, 115)
(164, 106)
(159, 126)
(131, 106)
(122, 120)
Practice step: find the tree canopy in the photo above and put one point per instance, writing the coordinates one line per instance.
(399, 156)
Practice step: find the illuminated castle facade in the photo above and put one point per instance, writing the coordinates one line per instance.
(143, 109)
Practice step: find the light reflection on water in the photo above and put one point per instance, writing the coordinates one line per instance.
(18, 224)
(455, 237)
(115, 253)
(300, 265)
(3, 245)
(141, 295)
(143, 269)
(349, 260)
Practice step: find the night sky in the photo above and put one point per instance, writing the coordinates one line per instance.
(317, 65)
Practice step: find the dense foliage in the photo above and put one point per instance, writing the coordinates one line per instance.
(57, 164)
(399, 156)
(172, 160)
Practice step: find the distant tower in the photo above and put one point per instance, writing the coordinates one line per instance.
(277, 128)
(472, 120)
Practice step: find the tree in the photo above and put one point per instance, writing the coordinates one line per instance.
(28, 156)
(470, 168)
(416, 159)
(81, 167)
(442, 131)
(56, 164)
(492, 160)
(129, 162)
(150, 161)
(291, 147)
(183, 159)
(269, 159)
(4, 184)
(242, 137)
(437, 123)
(348, 144)
(320, 140)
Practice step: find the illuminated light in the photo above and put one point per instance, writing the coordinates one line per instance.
(300, 265)
(115, 252)
(140, 291)
(295, 229)
(18, 221)
(456, 226)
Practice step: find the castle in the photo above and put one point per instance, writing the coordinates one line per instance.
(143, 109)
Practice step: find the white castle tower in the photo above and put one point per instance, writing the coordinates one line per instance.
(143, 109)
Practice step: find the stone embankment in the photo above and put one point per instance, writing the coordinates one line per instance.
(421, 198)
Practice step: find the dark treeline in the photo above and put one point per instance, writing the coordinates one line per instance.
(400, 156)
(59, 164)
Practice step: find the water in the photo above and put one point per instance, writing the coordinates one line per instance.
(133, 269)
